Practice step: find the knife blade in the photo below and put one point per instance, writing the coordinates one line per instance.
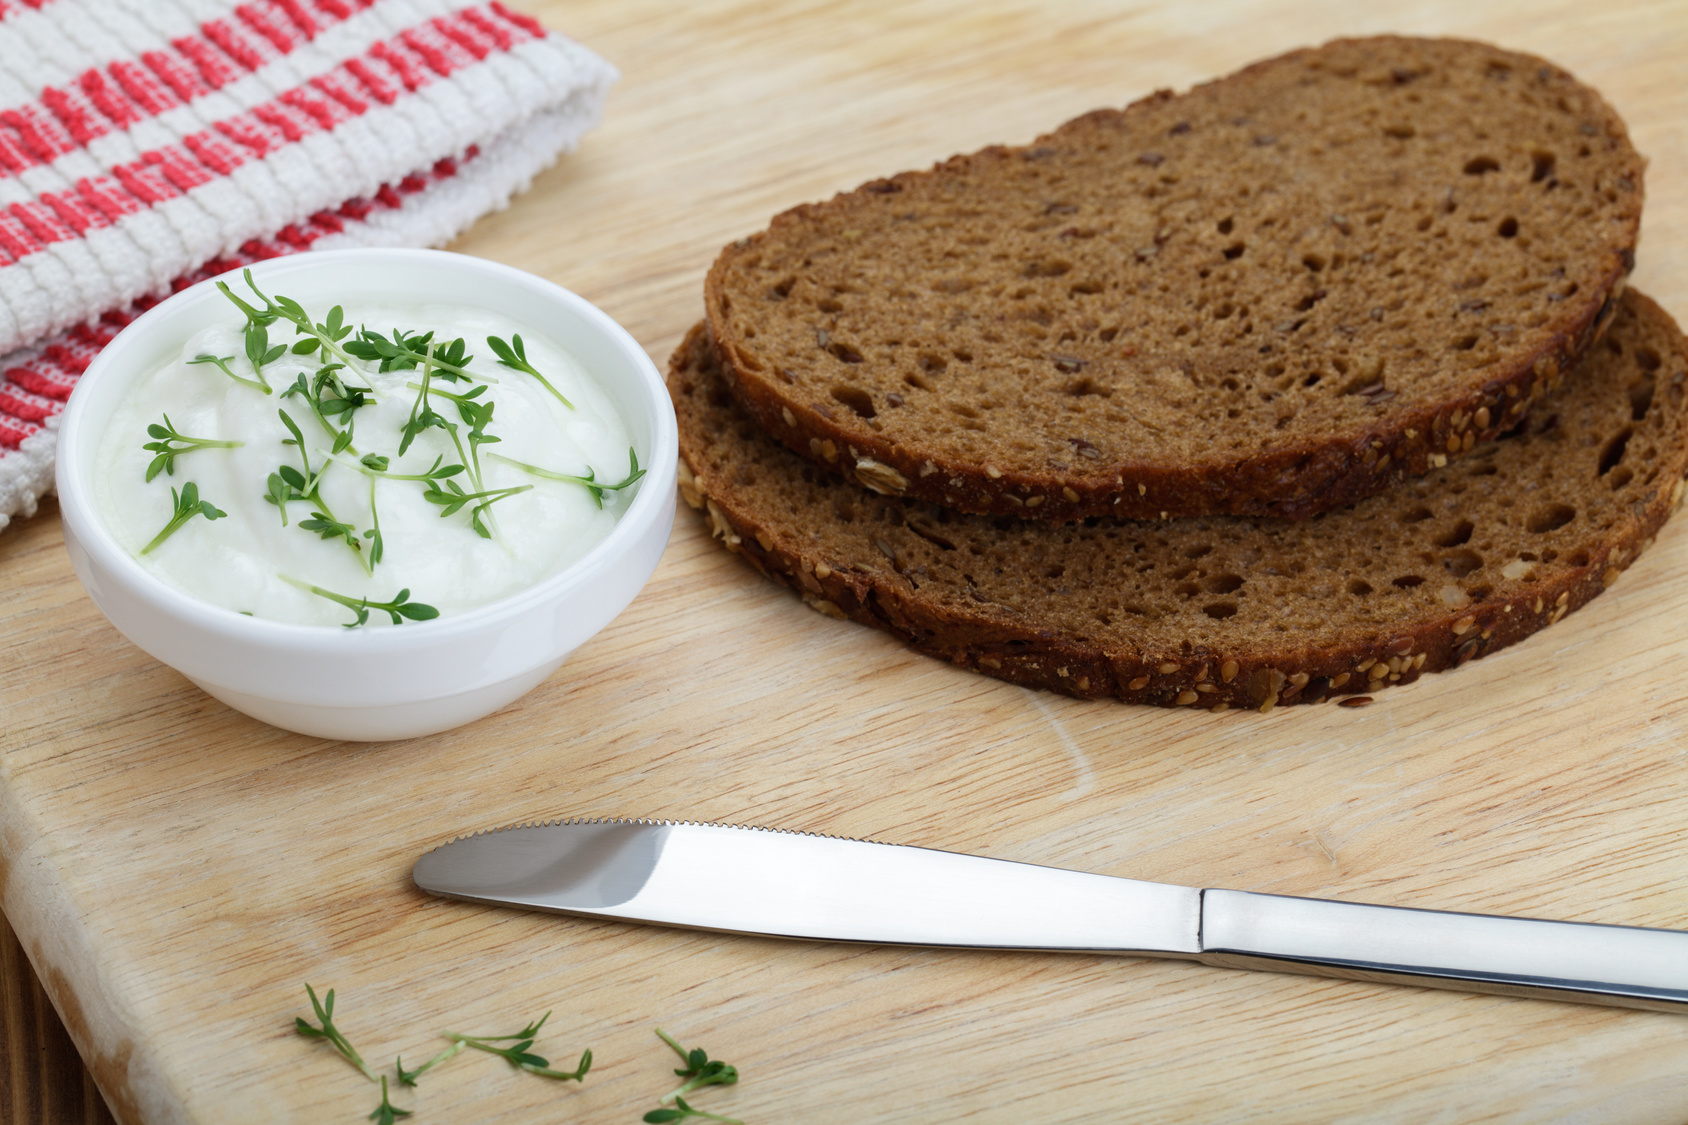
(773, 883)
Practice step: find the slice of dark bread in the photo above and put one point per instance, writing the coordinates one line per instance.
(1226, 611)
(1273, 294)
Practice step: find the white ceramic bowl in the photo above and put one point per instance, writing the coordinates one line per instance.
(376, 683)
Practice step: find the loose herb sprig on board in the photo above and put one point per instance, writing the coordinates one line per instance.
(681, 1111)
(698, 1069)
(409, 1077)
(518, 1055)
(328, 1032)
(386, 1113)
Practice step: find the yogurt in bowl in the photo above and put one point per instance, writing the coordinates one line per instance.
(367, 494)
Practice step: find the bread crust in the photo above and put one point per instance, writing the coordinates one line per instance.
(1292, 478)
(844, 574)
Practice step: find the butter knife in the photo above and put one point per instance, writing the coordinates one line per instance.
(823, 888)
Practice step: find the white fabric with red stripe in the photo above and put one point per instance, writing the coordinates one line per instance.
(146, 144)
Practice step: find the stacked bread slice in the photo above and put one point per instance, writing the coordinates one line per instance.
(1283, 388)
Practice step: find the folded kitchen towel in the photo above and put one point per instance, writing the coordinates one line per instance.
(147, 144)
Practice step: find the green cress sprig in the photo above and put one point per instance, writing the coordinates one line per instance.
(328, 1032)
(386, 1113)
(700, 1070)
(514, 355)
(187, 505)
(375, 465)
(400, 609)
(407, 351)
(258, 353)
(324, 524)
(518, 1055)
(168, 452)
(258, 349)
(589, 481)
(422, 413)
(452, 499)
(681, 1111)
(288, 484)
(377, 545)
(409, 1077)
(475, 413)
(324, 338)
(328, 395)
(222, 364)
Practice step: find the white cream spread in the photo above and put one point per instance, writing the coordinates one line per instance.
(243, 562)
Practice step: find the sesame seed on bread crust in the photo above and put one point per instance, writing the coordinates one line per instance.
(1274, 294)
(1226, 611)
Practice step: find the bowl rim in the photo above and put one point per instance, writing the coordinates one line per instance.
(79, 509)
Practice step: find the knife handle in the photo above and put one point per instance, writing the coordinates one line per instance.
(1621, 966)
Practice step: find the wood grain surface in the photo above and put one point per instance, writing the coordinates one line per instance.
(176, 872)
(43, 1079)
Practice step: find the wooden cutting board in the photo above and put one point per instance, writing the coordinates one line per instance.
(176, 871)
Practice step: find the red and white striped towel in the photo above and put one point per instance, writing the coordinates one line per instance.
(147, 144)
